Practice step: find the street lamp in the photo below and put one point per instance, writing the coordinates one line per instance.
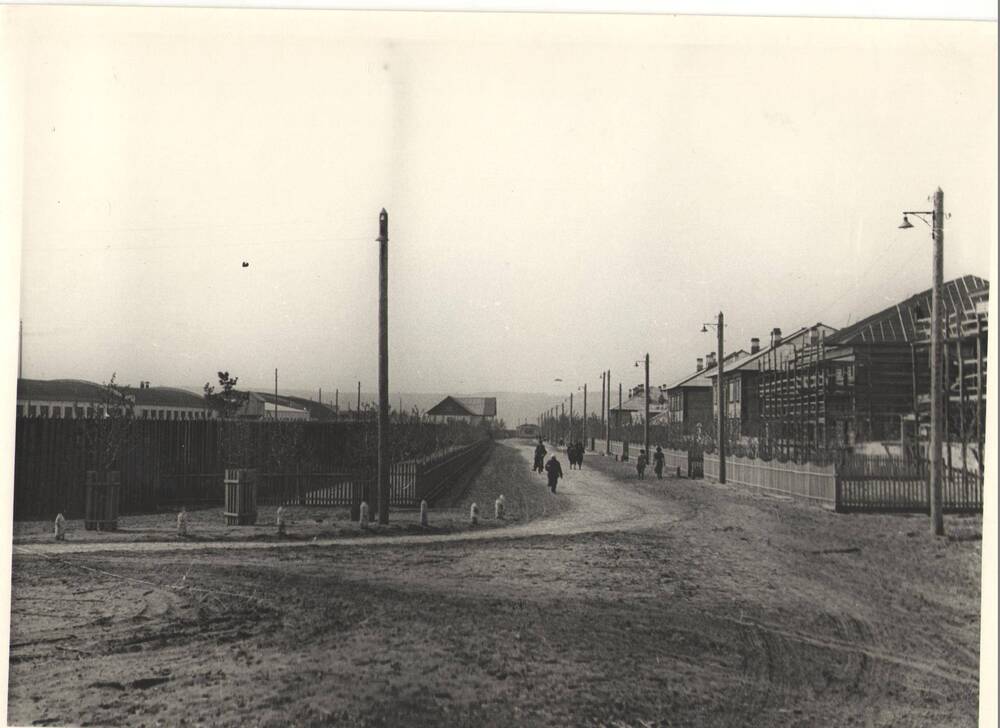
(721, 396)
(645, 422)
(936, 225)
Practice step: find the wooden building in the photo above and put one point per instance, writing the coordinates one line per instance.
(469, 409)
(857, 387)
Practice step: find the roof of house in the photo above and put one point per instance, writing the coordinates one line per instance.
(898, 323)
(164, 396)
(752, 362)
(316, 410)
(465, 407)
(703, 378)
(80, 390)
(70, 390)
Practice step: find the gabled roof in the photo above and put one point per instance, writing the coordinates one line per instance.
(753, 362)
(316, 410)
(465, 407)
(898, 323)
(704, 377)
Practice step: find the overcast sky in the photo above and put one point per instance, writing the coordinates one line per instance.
(565, 192)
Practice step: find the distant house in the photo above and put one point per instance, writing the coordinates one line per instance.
(634, 408)
(528, 430)
(689, 400)
(469, 409)
(79, 399)
(265, 406)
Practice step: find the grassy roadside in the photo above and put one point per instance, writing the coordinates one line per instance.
(507, 473)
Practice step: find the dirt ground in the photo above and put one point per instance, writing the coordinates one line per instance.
(614, 602)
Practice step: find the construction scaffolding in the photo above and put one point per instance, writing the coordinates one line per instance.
(964, 371)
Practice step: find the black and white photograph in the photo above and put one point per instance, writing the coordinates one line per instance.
(373, 367)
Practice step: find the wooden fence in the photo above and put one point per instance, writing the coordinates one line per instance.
(815, 483)
(898, 485)
(171, 462)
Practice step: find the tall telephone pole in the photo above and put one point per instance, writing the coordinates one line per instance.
(722, 406)
(383, 367)
(570, 418)
(606, 416)
(937, 382)
(645, 425)
(585, 416)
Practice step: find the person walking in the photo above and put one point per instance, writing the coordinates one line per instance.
(540, 451)
(640, 464)
(554, 470)
(658, 459)
(580, 450)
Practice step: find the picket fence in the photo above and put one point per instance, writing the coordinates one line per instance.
(855, 483)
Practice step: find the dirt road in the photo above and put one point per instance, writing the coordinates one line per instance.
(656, 603)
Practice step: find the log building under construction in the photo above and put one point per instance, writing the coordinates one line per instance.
(866, 387)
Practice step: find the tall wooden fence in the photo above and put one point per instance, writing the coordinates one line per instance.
(165, 462)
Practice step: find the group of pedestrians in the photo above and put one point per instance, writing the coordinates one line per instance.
(552, 468)
(575, 451)
(643, 460)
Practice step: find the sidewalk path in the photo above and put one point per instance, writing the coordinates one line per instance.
(597, 503)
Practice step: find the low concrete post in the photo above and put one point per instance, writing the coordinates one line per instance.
(364, 514)
(60, 531)
(423, 514)
(498, 508)
(279, 520)
(182, 523)
(474, 514)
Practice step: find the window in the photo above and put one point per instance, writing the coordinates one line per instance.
(57, 412)
(32, 410)
(44, 410)
(79, 412)
(90, 412)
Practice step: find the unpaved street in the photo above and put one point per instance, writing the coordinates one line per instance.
(656, 603)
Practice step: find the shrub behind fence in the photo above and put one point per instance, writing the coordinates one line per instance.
(167, 462)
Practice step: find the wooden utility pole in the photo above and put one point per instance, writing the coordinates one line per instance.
(336, 400)
(937, 517)
(602, 399)
(607, 420)
(645, 422)
(383, 367)
(570, 417)
(722, 405)
(359, 399)
(585, 416)
(618, 412)
(275, 394)
(20, 346)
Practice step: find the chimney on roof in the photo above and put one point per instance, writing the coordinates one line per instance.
(754, 345)
(775, 336)
(710, 361)
(700, 365)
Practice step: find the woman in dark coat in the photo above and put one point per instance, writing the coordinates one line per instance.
(554, 470)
